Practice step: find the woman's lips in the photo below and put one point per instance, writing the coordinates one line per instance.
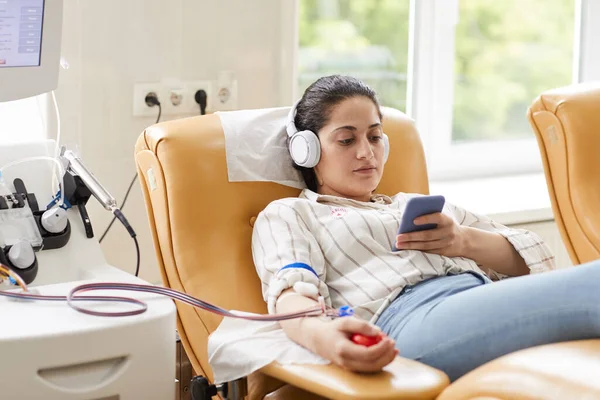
(367, 170)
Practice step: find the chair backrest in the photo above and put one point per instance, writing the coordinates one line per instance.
(202, 223)
(566, 122)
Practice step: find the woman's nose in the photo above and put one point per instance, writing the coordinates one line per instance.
(365, 150)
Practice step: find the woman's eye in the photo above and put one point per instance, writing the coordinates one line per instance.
(376, 138)
(345, 141)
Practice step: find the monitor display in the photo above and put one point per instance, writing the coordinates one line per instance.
(21, 23)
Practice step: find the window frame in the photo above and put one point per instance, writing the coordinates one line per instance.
(586, 64)
(430, 99)
(430, 90)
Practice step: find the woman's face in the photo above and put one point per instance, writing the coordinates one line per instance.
(352, 150)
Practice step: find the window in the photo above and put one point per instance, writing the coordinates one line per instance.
(506, 53)
(21, 120)
(365, 39)
(465, 70)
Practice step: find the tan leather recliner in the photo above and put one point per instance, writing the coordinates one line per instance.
(566, 122)
(202, 227)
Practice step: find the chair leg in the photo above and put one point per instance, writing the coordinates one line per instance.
(202, 389)
(234, 390)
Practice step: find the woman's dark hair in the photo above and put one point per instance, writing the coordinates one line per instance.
(315, 107)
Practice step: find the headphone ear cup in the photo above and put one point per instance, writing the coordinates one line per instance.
(386, 148)
(305, 149)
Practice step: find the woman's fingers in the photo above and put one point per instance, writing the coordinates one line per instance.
(425, 236)
(375, 352)
(440, 219)
(354, 325)
(368, 359)
(358, 352)
(444, 228)
(425, 246)
(358, 357)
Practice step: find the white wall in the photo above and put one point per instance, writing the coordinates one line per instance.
(112, 44)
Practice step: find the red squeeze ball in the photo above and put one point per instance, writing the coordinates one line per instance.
(367, 341)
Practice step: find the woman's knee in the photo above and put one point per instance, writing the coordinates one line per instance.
(590, 264)
(584, 274)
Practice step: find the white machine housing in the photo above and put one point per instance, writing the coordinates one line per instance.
(18, 81)
(52, 352)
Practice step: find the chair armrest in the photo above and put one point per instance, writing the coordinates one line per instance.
(402, 379)
(567, 370)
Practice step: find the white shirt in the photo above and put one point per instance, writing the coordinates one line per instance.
(345, 248)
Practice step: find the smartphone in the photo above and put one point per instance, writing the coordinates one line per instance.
(418, 206)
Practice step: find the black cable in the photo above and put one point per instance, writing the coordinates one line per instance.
(137, 251)
(121, 217)
(202, 99)
(122, 205)
(159, 113)
(157, 103)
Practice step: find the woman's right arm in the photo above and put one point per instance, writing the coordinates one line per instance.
(331, 339)
(285, 252)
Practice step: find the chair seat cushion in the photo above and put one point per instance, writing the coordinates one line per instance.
(568, 370)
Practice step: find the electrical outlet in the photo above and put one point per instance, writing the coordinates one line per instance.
(226, 92)
(140, 90)
(189, 102)
(176, 98)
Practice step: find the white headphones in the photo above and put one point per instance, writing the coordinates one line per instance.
(304, 146)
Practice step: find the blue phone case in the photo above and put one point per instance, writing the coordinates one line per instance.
(418, 206)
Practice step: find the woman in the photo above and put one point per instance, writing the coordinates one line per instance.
(429, 292)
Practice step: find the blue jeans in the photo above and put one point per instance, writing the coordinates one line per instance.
(458, 322)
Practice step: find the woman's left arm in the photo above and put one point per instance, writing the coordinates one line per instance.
(492, 251)
(492, 246)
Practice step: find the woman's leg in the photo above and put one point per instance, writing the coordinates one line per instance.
(460, 331)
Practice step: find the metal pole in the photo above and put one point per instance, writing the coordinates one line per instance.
(235, 390)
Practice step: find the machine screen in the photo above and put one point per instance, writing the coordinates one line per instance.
(21, 32)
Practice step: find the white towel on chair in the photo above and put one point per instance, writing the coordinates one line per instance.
(239, 347)
(256, 147)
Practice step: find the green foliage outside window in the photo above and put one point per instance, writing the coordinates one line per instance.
(507, 53)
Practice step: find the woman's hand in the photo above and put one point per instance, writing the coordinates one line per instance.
(332, 341)
(447, 239)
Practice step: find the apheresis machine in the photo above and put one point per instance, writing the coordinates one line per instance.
(72, 326)
(54, 343)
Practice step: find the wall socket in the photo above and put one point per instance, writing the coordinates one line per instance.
(189, 102)
(226, 92)
(176, 98)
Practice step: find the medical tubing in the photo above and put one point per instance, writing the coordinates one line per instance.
(41, 158)
(57, 112)
(142, 307)
(7, 272)
(58, 128)
(72, 297)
